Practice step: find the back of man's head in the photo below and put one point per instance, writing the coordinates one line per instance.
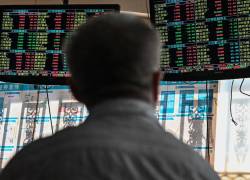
(113, 56)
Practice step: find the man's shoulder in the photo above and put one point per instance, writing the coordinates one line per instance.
(32, 151)
(34, 154)
(132, 143)
(49, 143)
(162, 151)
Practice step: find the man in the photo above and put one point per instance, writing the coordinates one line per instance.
(114, 61)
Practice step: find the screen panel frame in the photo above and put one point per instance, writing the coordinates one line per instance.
(43, 80)
(203, 75)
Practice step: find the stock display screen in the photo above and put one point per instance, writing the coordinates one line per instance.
(31, 39)
(203, 39)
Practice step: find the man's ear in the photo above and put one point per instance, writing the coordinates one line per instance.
(155, 85)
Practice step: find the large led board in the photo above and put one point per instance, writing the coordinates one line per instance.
(203, 39)
(31, 39)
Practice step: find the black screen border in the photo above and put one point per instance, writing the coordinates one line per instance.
(204, 75)
(42, 79)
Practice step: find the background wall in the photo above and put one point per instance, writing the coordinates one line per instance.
(182, 110)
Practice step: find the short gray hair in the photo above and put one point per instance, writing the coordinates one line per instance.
(113, 53)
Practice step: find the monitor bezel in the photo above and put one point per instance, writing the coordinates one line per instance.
(203, 75)
(41, 79)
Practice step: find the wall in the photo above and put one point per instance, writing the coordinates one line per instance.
(183, 110)
(232, 152)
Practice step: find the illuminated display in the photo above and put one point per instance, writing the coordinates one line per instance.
(31, 39)
(203, 39)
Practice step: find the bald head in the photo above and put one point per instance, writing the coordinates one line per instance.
(113, 56)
